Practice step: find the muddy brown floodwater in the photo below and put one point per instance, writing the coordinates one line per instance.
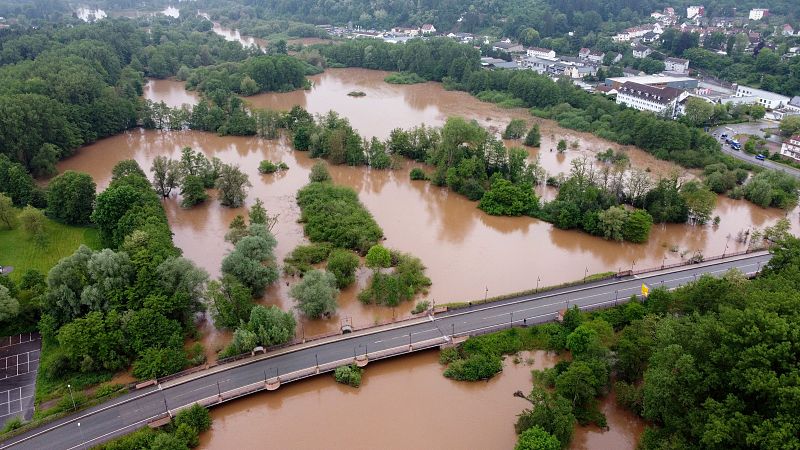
(172, 93)
(403, 403)
(466, 251)
(468, 255)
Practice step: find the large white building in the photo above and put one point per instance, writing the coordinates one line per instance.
(769, 100)
(659, 100)
(758, 13)
(676, 65)
(791, 148)
(695, 11)
(539, 52)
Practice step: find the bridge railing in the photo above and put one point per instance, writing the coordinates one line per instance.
(688, 262)
(298, 341)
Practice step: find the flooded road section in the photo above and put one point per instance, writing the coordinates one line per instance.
(402, 403)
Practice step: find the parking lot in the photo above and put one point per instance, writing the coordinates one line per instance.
(19, 362)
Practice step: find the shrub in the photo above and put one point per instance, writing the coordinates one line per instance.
(267, 167)
(404, 78)
(343, 264)
(515, 129)
(474, 368)
(421, 307)
(107, 389)
(334, 214)
(195, 416)
(319, 173)
(11, 424)
(418, 174)
(303, 257)
(159, 362)
(349, 375)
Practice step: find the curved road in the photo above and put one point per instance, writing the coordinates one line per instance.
(134, 410)
(767, 164)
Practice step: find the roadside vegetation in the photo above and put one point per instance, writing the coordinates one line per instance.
(182, 432)
(639, 347)
(349, 375)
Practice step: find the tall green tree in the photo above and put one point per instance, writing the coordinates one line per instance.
(70, 198)
(316, 294)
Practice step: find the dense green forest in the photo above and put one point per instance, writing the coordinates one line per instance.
(509, 17)
(65, 86)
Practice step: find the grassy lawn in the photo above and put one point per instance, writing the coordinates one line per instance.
(21, 252)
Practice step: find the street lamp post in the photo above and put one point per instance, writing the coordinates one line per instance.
(585, 274)
(663, 262)
(83, 440)
(486, 294)
(71, 397)
(633, 264)
(537, 284)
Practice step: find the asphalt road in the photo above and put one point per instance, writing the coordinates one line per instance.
(734, 129)
(134, 410)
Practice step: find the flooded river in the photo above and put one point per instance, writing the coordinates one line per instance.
(466, 251)
(402, 403)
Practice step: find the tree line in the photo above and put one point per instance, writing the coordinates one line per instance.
(133, 301)
(64, 86)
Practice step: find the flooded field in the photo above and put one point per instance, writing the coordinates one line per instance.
(466, 251)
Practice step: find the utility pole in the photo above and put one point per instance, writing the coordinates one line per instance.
(70, 396)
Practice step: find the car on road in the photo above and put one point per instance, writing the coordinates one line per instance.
(723, 136)
(760, 157)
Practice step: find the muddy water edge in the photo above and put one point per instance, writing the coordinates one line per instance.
(403, 403)
(468, 254)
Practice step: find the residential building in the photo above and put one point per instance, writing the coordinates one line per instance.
(650, 98)
(676, 65)
(787, 30)
(791, 148)
(769, 100)
(591, 55)
(641, 51)
(758, 13)
(677, 82)
(791, 109)
(649, 38)
(508, 47)
(464, 38)
(428, 29)
(638, 32)
(538, 65)
(541, 52)
(695, 11)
